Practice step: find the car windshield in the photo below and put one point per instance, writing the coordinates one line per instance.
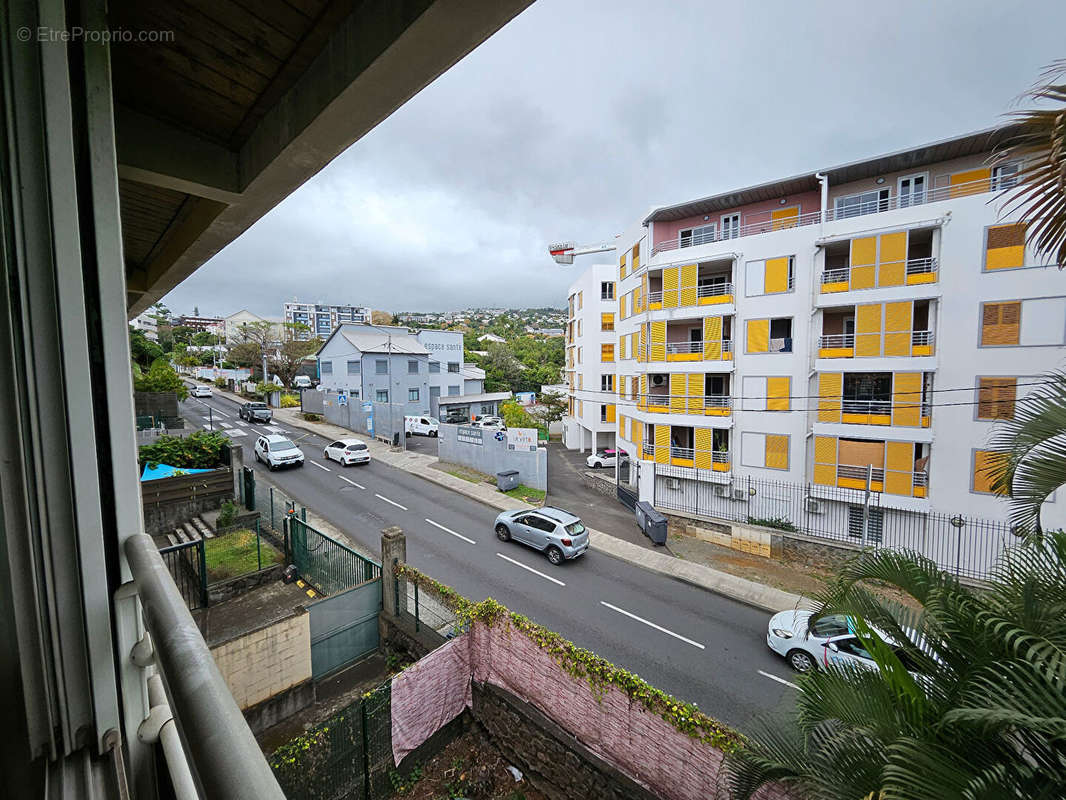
(832, 625)
(284, 444)
(257, 406)
(575, 528)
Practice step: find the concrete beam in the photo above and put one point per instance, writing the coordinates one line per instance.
(156, 153)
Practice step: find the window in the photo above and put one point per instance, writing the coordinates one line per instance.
(606, 322)
(453, 367)
(876, 526)
(692, 237)
(1005, 246)
(326, 367)
(912, 189)
(580, 300)
(381, 366)
(353, 367)
(434, 367)
(985, 462)
(864, 203)
(1005, 176)
(607, 290)
(412, 395)
(453, 391)
(606, 383)
(606, 352)
(730, 226)
(995, 398)
(828, 627)
(1000, 323)
(852, 648)
(382, 396)
(412, 367)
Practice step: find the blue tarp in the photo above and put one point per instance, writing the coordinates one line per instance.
(167, 471)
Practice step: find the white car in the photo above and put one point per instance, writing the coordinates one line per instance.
(421, 426)
(277, 451)
(489, 424)
(200, 390)
(831, 640)
(347, 452)
(301, 382)
(605, 458)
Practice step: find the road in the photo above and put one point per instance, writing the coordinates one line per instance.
(697, 645)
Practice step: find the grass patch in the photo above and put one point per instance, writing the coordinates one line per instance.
(234, 554)
(462, 475)
(522, 492)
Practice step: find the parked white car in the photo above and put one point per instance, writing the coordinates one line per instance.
(489, 424)
(347, 452)
(277, 451)
(301, 382)
(200, 390)
(605, 458)
(421, 426)
(831, 640)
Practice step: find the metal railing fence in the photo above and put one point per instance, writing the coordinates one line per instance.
(188, 569)
(325, 563)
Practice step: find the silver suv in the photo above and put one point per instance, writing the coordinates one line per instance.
(558, 534)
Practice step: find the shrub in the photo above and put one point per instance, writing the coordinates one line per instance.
(780, 523)
(263, 388)
(161, 377)
(227, 514)
(201, 450)
(312, 417)
(290, 401)
(221, 383)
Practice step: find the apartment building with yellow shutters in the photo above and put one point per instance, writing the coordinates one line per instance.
(852, 329)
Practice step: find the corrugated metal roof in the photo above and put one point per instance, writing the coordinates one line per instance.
(382, 343)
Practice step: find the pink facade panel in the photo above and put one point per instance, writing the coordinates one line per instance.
(753, 213)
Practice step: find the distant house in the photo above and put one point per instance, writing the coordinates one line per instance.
(549, 332)
(234, 322)
(492, 337)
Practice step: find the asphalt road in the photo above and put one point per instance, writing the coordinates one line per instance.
(697, 645)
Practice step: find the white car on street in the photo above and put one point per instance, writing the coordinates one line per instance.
(200, 390)
(605, 458)
(277, 451)
(831, 640)
(347, 452)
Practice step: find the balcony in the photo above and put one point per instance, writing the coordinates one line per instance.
(689, 351)
(842, 345)
(687, 285)
(854, 477)
(916, 270)
(684, 351)
(716, 460)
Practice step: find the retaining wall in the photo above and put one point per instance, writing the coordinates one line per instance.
(168, 502)
(492, 456)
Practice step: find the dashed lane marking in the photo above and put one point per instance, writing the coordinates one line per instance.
(775, 678)
(650, 624)
(449, 530)
(387, 500)
(530, 569)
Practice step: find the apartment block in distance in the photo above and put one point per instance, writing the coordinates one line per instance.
(854, 328)
(322, 320)
(591, 358)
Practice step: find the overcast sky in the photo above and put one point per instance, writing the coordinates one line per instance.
(578, 116)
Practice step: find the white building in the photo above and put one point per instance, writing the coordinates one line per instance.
(590, 370)
(491, 337)
(146, 324)
(868, 328)
(321, 320)
(233, 323)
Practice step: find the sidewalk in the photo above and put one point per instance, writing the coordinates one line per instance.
(746, 591)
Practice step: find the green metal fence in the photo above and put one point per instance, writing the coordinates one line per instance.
(325, 563)
(347, 757)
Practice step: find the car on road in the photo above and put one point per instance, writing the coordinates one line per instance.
(255, 412)
(347, 451)
(605, 458)
(277, 451)
(421, 426)
(830, 640)
(558, 534)
(200, 390)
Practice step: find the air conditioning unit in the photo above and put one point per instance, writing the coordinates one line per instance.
(740, 494)
(721, 490)
(814, 505)
(673, 483)
(658, 380)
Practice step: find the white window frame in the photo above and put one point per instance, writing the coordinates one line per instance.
(728, 229)
(879, 202)
(910, 201)
(378, 393)
(1008, 181)
(700, 231)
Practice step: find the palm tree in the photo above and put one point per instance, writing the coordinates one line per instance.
(980, 712)
(1033, 444)
(1038, 141)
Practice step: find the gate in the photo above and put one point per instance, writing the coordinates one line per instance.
(628, 498)
(188, 568)
(344, 627)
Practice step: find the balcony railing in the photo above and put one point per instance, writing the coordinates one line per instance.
(919, 266)
(762, 222)
(717, 456)
(879, 407)
(915, 266)
(655, 297)
(877, 474)
(920, 338)
(727, 347)
(715, 290)
(921, 480)
(663, 400)
(674, 348)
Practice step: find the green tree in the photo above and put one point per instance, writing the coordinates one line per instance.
(502, 370)
(968, 702)
(182, 334)
(204, 339)
(286, 364)
(516, 416)
(161, 377)
(143, 350)
(553, 407)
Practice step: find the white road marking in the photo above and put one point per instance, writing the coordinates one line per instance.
(449, 530)
(653, 625)
(226, 425)
(236, 432)
(779, 680)
(387, 500)
(327, 469)
(353, 483)
(530, 569)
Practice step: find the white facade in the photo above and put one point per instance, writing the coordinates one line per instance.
(234, 322)
(591, 341)
(323, 319)
(147, 324)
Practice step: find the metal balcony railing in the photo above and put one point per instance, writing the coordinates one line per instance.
(717, 456)
(921, 479)
(836, 340)
(877, 475)
(836, 275)
(866, 406)
(215, 743)
(655, 297)
(727, 347)
(919, 338)
(715, 290)
(673, 348)
(682, 452)
(919, 266)
(717, 401)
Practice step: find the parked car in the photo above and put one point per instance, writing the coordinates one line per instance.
(200, 390)
(831, 640)
(277, 451)
(301, 382)
(483, 418)
(490, 424)
(255, 412)
(605, 458)
(347, 451)
(455, 418)
(421, 426)
(558, 534)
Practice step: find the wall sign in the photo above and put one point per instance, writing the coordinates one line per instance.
(468, 434)
(522, 439)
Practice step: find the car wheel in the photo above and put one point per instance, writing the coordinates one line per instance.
(270, 464)
(325, 454)
(555, 555)
(800, 661)
(257, 458)
(434, 434)
(502, 533)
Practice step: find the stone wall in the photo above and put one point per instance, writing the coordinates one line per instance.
(266, 661)
(602, 483)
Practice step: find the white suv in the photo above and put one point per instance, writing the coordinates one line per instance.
(277, 451)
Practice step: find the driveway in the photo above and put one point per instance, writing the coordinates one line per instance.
(602, 512)
(422, 444)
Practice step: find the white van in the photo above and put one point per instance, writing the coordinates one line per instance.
(301, 382)
(421, 426)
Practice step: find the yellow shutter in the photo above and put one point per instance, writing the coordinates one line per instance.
(610, 412)
(784, 218)
(643, 291)
(985, 460)
(830, 388)
(1005, 246)
(622, 306)
(868, 330)
(662, 444)
(622, 426)
(758, 335)
(606, 352)
(622, 266)
(621, 348)
(670, 287)
(899, 466)
(636, 258)
(642, 400)
(776, 279)
(907, 399)
(898, 328)
(643, 353)
(777, 393)
(1000, 323)
(972, 181)
(637, 301)
(695, 392)
(703, 444)
(825, 460)
(776, 451)
(892, 262)
(658, 341)
(636, 428)
(677, 393)
(689, 283)
(863, 259)
(606, 322)
(712, 338)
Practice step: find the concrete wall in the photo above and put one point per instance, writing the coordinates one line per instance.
(352, 416)
(268, 661)
(492, 456)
